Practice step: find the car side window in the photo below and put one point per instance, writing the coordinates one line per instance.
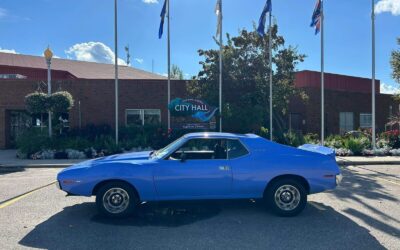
(201, 149)
(236, 149)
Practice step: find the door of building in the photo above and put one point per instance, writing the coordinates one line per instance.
(19, 121)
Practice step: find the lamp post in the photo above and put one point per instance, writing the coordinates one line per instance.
(48, 54)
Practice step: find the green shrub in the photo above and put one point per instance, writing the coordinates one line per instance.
(264, 132)
(32, 141)
(91, 131)
(294, 139)
(311, 138)
(334, 141)
(77, 143)
(356, 145)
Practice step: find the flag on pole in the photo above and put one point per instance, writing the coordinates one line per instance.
(162, 15)
(317, 21)
(263, 18)
(316, 17)
(218, 12)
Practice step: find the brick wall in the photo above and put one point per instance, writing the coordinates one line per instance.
(2, 128)
(96, 98)
(340, 101)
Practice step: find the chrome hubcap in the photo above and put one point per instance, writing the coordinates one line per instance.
(287, 197)
(116, 200)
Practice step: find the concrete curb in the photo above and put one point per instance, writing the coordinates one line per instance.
(37, 165)
(352, 163)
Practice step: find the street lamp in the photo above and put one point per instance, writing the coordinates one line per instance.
(48, 55)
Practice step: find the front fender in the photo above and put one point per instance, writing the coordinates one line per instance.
(82, 181)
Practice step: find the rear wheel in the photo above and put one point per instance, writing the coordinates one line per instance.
(286, 197)
(116, 199)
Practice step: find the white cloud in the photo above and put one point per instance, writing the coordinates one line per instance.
(139, 60)
(150, 1)
(11, 51)
(392, 6)
(389, 89)
(3, 12)
(93, 52)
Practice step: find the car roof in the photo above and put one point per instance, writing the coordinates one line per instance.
(219, 135)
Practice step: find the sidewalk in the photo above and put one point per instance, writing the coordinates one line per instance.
(8, 159)
(368, 160)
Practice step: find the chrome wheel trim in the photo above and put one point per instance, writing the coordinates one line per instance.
(287, 197)
(116, 200)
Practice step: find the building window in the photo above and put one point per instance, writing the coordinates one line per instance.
(346, 122)
(142, 117)
(365, 120)
(12, 76)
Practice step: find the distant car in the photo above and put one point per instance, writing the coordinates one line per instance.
(203, 166)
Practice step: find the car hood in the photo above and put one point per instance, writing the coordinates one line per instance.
(125, 157)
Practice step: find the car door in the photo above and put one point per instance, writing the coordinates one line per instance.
(197, 170)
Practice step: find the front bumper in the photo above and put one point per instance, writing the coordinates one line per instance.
(58, 185)
(339, 178)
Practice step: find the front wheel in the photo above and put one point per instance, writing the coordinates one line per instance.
(116, 199)
(286, 197)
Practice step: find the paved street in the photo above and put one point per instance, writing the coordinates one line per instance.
(364, 213)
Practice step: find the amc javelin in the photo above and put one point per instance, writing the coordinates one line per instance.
(204, 166)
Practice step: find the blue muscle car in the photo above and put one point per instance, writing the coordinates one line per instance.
(206, 166)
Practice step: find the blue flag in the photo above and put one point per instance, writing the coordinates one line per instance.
(263, 18)
(316, 17)
(163, 12)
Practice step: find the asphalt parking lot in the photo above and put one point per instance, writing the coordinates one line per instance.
(363, 213)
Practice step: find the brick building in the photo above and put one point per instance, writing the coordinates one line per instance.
(347, 104)
(143, 97)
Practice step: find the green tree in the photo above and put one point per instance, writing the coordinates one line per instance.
(36, 103)
(395, 62)
(176, 72)
(61, 102)
(246, 80)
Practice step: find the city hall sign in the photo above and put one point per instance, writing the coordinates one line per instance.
(197, 109)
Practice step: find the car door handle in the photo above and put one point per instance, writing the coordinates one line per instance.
(224, 168)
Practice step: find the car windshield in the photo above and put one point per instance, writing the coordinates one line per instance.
(168, 149)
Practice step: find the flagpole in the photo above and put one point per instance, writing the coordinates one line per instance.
(116, 69)
(270, 77)
(169, 66)
(322, 77)
(220, 69)
(373, 76)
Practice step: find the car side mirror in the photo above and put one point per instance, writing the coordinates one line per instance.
(183, 157)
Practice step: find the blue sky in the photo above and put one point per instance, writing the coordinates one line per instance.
(83, 29)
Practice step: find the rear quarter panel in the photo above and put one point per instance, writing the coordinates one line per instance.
(267, 160)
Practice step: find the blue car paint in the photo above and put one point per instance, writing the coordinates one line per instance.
(244, 177)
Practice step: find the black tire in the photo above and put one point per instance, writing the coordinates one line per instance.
(286, 197)
(116, 199)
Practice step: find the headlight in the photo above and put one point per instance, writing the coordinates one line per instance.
(339, 178)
